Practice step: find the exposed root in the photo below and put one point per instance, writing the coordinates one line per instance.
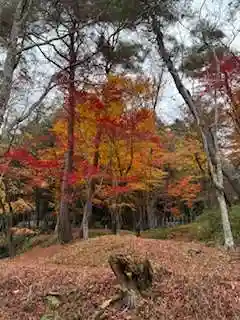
(133, 277)
(130, 299)
(106, 304)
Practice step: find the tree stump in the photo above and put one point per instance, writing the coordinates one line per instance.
(133, 275)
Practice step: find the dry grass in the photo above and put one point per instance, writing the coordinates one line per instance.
(202, 284)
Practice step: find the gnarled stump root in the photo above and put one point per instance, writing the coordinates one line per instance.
(134, 277)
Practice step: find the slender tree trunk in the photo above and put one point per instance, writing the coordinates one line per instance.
(11, 249)
(151, 217)
(116, 214)
(225, 220)
(87, 212)
(11, 60)
(57, 225)
(217, 173)
(229, 172)
(229, 243)
(139, 227)
(115, 221)
(37, 204)
(118, 221)
(84, 230)
(134, 221)
(3, 217)
(64, 225)
(29, 220)
(228, 237)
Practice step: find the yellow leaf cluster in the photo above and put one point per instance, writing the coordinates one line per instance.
(123, 155)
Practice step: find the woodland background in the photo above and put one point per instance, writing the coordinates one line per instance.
(119, 156)
(83, 136)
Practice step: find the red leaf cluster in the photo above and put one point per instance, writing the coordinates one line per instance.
(185, 189)
(229, 72)
(24, 157)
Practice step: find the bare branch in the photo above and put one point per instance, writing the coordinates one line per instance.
(34, 106)
(45, 43)
(11, 60)
(49, 59)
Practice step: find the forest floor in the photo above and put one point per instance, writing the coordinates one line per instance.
(70, 282)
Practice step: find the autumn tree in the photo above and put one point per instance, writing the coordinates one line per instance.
(157, 17)
(107, 135)
(67, 59)
(215, 169)
(21, 173)
(71, 23)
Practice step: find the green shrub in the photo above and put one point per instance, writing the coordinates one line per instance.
(211, 225)
(162, 233)
(208, 229)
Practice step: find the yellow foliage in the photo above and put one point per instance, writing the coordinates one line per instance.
(19, 206)
(122, 155)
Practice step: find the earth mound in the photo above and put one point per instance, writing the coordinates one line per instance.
(70, 282)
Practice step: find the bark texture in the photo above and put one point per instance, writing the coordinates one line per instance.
(11, 60)
(215, 170)
(64, 224)
(134, 277)
(84, 230)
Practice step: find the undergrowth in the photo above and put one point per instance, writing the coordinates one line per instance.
(207, 229)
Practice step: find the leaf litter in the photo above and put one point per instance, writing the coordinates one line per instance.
(70, 282)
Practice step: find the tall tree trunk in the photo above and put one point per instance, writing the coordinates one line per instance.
(233, 177)
(217, 173)
(115, 217)
(229, 172)
(11, 249)
(57, 225)
(228, 237)
(151, 217)
(134, 221)
(37, 205)
(139, 222)
(64, 223)
(116, 212)
(118, 221)
(11, 60)
(29, 220)
(87, 212)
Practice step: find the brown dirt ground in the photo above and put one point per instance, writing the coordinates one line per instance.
(201, 286)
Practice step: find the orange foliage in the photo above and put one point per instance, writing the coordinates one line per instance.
(185, 189)
(116, 145)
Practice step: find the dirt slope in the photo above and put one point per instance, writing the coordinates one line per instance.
(201, 284)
